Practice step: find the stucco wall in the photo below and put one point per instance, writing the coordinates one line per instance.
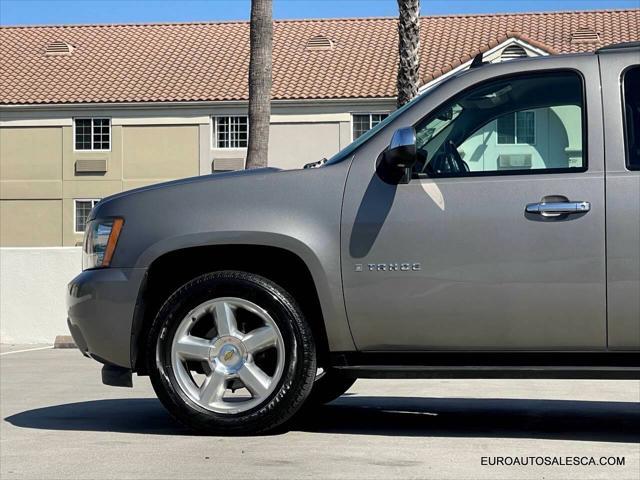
(291, 145)
(31, 153)
(32, 292)
(31, 222)
(160, 151)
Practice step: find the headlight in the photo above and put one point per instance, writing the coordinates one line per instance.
(100, 239)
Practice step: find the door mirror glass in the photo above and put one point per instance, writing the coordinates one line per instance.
(398, 159)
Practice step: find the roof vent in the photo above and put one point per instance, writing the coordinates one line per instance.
(58, 48)
(585, 35)
(319, 42)
(512, 52)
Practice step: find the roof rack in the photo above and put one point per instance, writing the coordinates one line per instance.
(619, 47)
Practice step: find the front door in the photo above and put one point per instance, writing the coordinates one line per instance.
(497, 242)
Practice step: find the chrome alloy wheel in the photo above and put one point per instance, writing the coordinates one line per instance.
(224, 345)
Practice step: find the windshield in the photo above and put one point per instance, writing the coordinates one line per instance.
(352, 147)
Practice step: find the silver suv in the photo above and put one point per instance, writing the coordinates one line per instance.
(489, 228)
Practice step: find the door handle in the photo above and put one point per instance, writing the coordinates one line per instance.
(555, 209)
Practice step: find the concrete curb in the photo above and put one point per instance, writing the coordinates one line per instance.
(64, 341)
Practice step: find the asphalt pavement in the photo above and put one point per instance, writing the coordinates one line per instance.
(59, 421)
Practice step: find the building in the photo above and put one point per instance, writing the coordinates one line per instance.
(88, 111)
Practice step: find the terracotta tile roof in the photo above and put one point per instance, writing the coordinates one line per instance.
(209, 61)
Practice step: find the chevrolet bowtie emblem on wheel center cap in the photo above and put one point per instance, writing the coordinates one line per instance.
(228, 352)
(229, 355)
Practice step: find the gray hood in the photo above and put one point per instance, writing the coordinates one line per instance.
(214, 177)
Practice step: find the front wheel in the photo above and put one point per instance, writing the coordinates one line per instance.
(231, 352)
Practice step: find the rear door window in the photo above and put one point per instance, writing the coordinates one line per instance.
(631, 91)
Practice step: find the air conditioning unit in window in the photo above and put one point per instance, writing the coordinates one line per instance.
(514, 161)
(227, 164)
(93, 165)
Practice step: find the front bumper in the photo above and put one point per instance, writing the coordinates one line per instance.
(101, 305)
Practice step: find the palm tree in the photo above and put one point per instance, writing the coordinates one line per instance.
(408, 50)
(261, 45)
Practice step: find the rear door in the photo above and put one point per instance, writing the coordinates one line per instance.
(621, 96)
(453, 260)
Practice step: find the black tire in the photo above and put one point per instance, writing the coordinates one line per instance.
(331, 385)
(300, 359)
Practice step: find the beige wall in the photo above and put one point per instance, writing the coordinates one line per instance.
(31, 153)
(39, 182)
(31, 165)
(160, 152)
(30, 223)
(291, 145)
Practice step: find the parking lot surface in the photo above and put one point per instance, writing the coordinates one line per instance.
(59, 421)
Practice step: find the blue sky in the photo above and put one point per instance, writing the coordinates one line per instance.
(34, 12)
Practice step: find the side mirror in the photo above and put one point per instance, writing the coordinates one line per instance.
(398, 159)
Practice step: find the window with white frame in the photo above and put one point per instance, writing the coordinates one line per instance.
(92, 134)
(81, 210)
(365, 121)
(230, 131)
(517, 128)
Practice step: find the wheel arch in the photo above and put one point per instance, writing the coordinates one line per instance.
(278, 264)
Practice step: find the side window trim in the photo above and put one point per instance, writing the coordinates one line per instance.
(525, 75)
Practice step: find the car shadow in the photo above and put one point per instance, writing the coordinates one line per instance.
(389, 416)
(480, 417)
(124, 415)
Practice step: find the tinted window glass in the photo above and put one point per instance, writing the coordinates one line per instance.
(522, 124)
(631, 86)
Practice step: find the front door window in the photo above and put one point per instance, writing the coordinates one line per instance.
(517, 125)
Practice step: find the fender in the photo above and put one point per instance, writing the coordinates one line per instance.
(329, 293)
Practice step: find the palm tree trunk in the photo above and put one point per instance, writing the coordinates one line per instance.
(408, 50)
(261, 44)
